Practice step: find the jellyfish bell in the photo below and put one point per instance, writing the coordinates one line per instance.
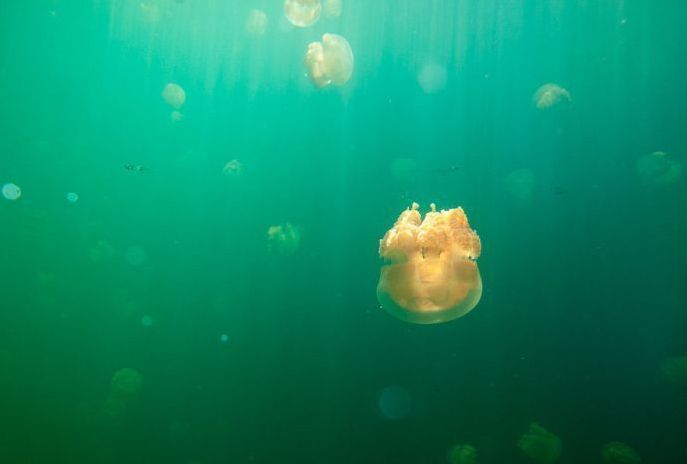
(333, 8)
(658, 169)
(462, 454)
(283, 238)
(174, 95)
(256, 24)
(540, 444)
(617, 452)
(430, 275)
(232, 168)
(330, 61)
(302, 13)
(550, 95)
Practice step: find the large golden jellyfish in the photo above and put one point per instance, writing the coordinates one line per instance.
(302, 13)
(329, 61)
(431, 275)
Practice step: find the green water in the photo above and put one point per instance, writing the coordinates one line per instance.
(248, 355)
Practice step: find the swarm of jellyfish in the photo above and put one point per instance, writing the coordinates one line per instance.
(330, 61)
(430, 274)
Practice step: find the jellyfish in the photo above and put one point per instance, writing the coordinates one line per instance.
(332, 8)
(550, 95)
(103, 250)
(302, 13)
(430, 275)
(124, 389)
(11, 191)
(617, 452)
(395, 402)
(232, 168)
(174, 95)
(329, 61)
(283, 238)
(674, 370)
(462, 454)
(520, 185)
(658, 169)
(176, 116)
(540, 445)
(432, 77)
(256, 24)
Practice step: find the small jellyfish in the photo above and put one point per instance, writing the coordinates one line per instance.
(135, 255)
(333, 8)
(232, 168)
(125, 387)
(540, 445)
(462, 454)
(103, 250)
(147, 321)
(11, 191)
(329, 61)
(174, 95)
(550, 95)
(520, 185)
(432, 77)
(395, 402)
(283, 238)
(256, 24)
(658, 169)
(430, 274)
(224, 338)
(617, 452)
(302, 13)
(176, 116)
(72, 197)
(674, 370)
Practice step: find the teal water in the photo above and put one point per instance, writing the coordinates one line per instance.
(242, 351)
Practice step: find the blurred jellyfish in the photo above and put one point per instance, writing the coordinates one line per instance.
(146, 320)
(174, 95)
(430, 274)
(232, 168)
(72, 197)
(462, 454)
(404, 169)
(135, 256)
(11, 191)
(333, 8)
(658, 169)
(102, 251)
(329, 61)
(540, 445)
(520, 185)
(395, 402)
(124, 389)
(256, 24)
(176, 116)
(224, 338)
(302, 13)
(674, 370)
(617, 452)
(432, 78)
(283, 238)
(550, 95)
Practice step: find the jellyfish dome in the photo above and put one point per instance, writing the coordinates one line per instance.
(550, 95)
(540, 445)
(330, 61)
(462, 454)
(302, 13)
(174, 95)
(430, 275)
(333, 8)
(256, 24)
(658, 169)
(617, 452)
(283, 238)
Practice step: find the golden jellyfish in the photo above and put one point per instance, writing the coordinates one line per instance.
(283, 238)
(302, 13)
(333, 8)
(174, 95)
(462, 454)
(658, 169)
(125, 387)
(232, 168)
(617, 452)
(329, 61)
(550, 95)
(430, 274)
(256, 24)
(540, 445)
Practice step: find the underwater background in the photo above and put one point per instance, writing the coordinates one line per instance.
(148, 315)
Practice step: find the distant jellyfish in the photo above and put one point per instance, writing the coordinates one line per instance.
(430, 274)
(333, 8)
(125, 387)
(540, 445)
(72, 197)
(11, 191)
(329, 61)
(674, 371)
(658, 169)
(283, 238)
(232, 168)
(395, 402)
(520, 185)
(432, 77)
(302, 13)
(550, 95)
(617, 452)
(176, 116)
(174, 95)
(101, 251)
(256, 24)
(224, 338)
(462, 454)
(146, 320)
(135, 255)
